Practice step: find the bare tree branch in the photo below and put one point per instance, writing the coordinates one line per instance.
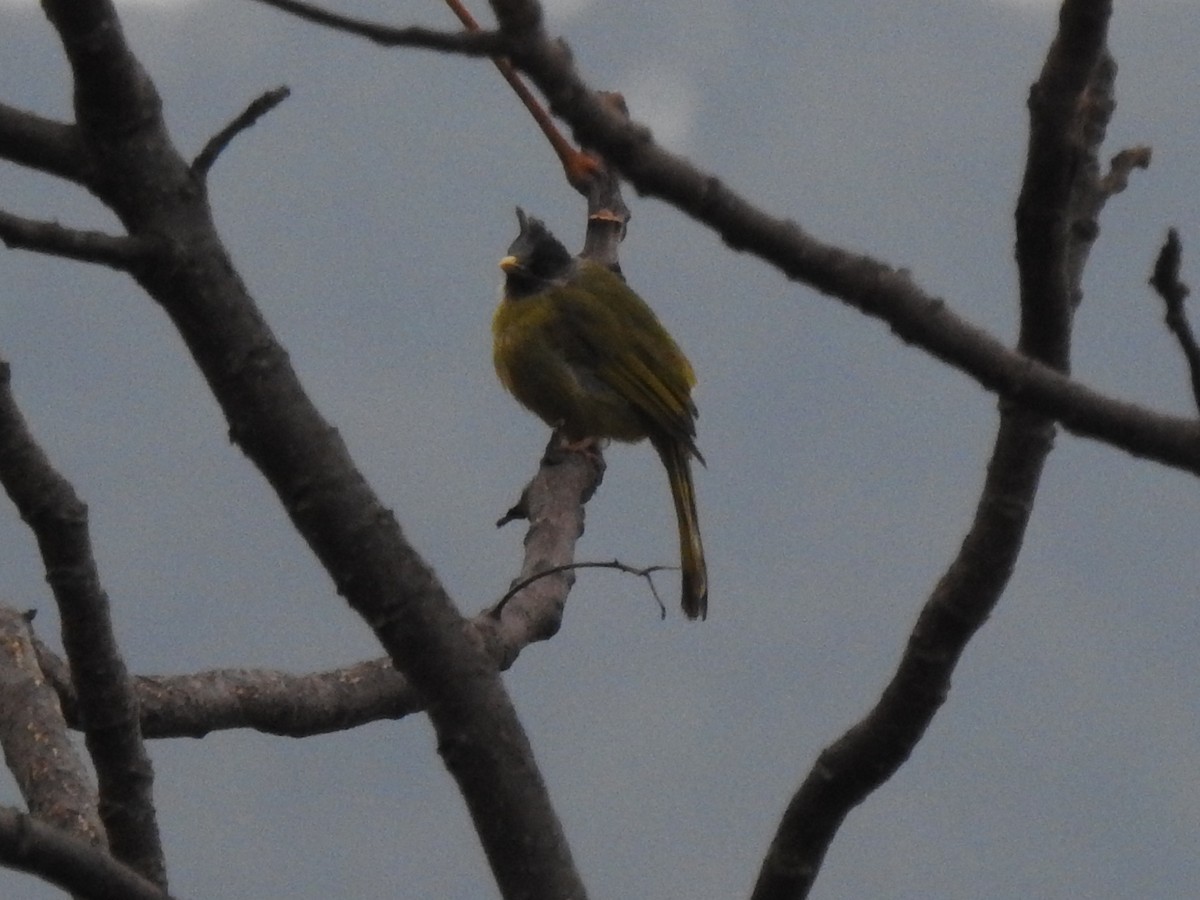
(51, 238)
(33, 734)
(41, 144)
(306, 462)
(385, 581)
(866, 284)
(1167, 283)
(300, 705)
(468, 43)
(264, 700)
(553, 503)
(568, 570)
(581, 168)
(258, 108)
(114, 97)
(278, 703)
(70, 863)
(1058, 193)
(111, 723)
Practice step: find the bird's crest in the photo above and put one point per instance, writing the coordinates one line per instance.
(541, 256)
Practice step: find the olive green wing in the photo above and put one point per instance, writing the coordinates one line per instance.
(612, 335)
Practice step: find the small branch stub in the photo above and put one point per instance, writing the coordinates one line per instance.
(1166, 282)
(258, 108)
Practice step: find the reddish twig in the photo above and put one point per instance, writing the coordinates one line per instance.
(580, 167)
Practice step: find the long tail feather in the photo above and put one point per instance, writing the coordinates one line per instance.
(691, 551)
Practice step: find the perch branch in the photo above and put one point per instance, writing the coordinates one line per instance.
(861, 282)
(304, 459)
(865, 284)
(300, 705)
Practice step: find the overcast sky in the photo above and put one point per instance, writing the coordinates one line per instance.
(367, 215)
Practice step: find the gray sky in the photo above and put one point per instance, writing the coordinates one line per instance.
(367, 214)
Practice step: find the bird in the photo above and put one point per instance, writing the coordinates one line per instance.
(575, 345)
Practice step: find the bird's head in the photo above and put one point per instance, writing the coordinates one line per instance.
(536, 259)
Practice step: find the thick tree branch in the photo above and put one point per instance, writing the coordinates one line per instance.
(1055, 227)
(264, 700)
(111, 723)
(301, 705)
(53, 239)
(41, 144)
(113, 93)
(154, 192)
(68, 862)
(277, 702)
(33, 734)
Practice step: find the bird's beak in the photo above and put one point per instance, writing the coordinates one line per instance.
(510, 264)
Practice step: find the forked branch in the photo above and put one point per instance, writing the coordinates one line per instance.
(1059, 194)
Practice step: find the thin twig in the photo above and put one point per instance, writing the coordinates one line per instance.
(258, 108)
(580, 167)
(646, 573)
(1167, 283)
(477, 43)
